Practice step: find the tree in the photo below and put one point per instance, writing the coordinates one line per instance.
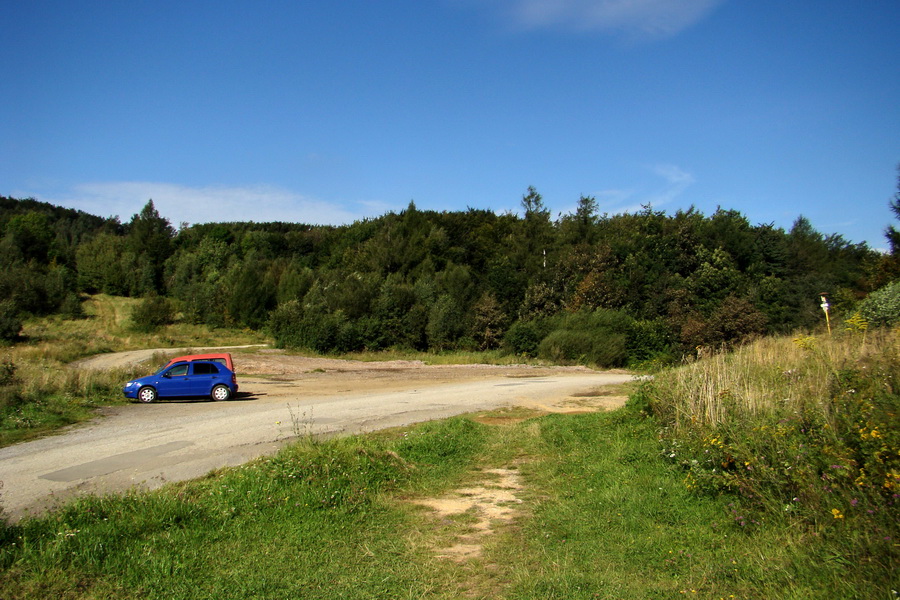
(578, 228)
(888, 268)
(150, 236)
(445, 324)
(251, 296)
(892, 235)
(31, 234)
(100, 265)
(488, 322)
(533, 204)
(536, 233)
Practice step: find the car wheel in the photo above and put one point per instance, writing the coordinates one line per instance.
(221, 392)
(147, 394)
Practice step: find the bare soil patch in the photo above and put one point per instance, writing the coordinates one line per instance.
(277, 375)
(334, 376)
(474, 513)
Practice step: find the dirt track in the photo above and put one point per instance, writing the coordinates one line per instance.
(281, 397)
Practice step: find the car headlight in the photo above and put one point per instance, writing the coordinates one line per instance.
(129, 384)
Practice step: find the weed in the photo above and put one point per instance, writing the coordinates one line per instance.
(302, 424)
(805, 428)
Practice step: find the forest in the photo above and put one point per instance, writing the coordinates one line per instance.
(607, 290)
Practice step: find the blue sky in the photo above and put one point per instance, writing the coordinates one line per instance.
(329, 112)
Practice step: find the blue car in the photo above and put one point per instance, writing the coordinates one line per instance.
(184, 380)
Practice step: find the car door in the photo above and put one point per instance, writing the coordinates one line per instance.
(174, 382)
(201, 378)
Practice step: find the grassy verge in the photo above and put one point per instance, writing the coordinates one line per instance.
(314, 521)
(617, 523)
(806, 427)
(602, 517)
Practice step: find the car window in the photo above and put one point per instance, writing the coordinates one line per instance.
(205, 369)
(178, 370)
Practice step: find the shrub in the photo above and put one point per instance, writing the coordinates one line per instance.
(292, 326)
(10, 393)
(71, 307)
(152, 313)
(600, 347)
(648, 340)
(590, 337)
(523, 338)
(10, 321)
(882, 307)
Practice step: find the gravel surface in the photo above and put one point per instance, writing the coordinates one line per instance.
(281, 397)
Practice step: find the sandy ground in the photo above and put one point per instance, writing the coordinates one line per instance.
(281, 397)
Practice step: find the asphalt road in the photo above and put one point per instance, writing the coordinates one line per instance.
(147, 446)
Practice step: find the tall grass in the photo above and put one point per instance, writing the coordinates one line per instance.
(772, 375)
(804, 427)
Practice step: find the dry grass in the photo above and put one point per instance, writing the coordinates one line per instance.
(768, 375)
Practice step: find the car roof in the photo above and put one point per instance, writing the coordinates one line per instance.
(196, 362)
(192, 357)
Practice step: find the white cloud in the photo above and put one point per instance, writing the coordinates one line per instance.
(641, 19)
(677, 181)
(180, 203)
(632, 200)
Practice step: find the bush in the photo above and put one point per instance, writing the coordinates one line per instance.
(71, 307)
(152, 313)
(294, 327)
(10, 393)
(588, 337)
(649, 340)
(600, 347)
(882, 307)
(10, 321)
(523, 338)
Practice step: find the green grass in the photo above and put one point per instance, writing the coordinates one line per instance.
(602, 517)
(108, 328)
(617, 523)
(808, 427)
(315, 520)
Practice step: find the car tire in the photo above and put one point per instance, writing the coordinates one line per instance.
(147, 394)
(220, 392)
